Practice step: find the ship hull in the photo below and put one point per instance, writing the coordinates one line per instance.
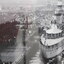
(50, 53)
(49, 58)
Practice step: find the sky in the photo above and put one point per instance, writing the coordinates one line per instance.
(27, 2)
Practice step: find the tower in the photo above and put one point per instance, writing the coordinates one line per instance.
(59, 12)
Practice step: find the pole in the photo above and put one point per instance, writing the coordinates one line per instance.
(23, 37)
(24, 45)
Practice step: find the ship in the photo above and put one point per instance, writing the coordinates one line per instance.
(52, 39)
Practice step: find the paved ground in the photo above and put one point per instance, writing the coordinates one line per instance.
(11, 53)
(15, 53)
(36, 59)
(33, 42)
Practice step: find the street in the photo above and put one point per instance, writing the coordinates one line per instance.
(15, 53)
(33, 42)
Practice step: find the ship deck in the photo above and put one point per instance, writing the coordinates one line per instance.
(49, 42)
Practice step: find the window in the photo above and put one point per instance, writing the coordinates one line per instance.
(52, 46)
(57, 36)
(49, 36)
(52, 35)
(48, 47)
(56, 45)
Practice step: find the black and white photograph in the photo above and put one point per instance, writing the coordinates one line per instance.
(31, 31)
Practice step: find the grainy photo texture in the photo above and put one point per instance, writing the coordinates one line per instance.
(31, 31)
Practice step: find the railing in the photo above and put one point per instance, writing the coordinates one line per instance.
(53, 36)
(53, 47)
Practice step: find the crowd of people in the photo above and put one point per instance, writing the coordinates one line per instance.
(8, 32)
